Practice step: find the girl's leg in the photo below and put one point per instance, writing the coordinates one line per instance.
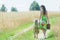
(36, 35)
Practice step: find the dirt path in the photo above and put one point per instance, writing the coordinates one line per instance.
(21, 32)
(41, 35)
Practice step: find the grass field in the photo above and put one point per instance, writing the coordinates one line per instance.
(30, 36)
(11, 23)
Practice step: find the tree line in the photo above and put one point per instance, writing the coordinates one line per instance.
(33, 7)
(4, 9)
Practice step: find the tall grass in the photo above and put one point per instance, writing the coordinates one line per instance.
(11, 22)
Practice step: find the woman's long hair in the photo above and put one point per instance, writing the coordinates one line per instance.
(44, 9)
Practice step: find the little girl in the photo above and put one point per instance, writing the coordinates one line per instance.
(36, 29)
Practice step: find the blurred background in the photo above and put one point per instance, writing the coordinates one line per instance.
(19, 15)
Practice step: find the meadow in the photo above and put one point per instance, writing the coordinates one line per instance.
(13, 22)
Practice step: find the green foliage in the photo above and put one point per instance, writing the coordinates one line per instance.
(13, 9)
(3, 8)
(51, 35)
(26, 36)
(34, 6)
(9, 33)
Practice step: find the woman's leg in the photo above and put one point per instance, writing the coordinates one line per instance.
(44, 32)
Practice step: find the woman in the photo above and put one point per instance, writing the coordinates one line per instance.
(43, 19)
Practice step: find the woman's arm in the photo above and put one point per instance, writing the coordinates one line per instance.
(47, 17)
(40, 15)
(39, 19)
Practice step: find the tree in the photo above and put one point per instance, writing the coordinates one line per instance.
(3, 8)
(13, 9)
(34, 6)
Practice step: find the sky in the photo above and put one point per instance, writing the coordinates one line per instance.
(23, 5)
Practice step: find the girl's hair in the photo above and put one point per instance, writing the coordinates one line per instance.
(36, 22)
(44, 9)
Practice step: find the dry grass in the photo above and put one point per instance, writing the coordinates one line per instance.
(11, 20)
